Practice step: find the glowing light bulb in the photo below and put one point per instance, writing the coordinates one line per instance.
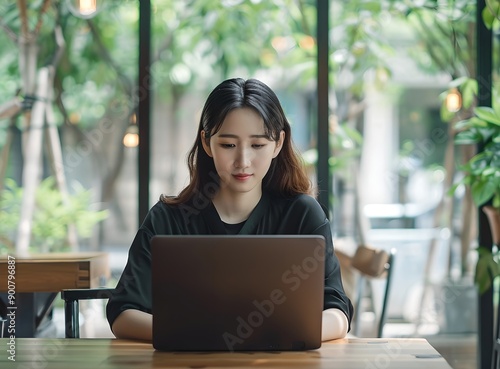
(453, 101)
(131, 138)
(87, 7)
(84, 8)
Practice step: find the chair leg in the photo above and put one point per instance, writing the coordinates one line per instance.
(2, 326)
(495, 360)
(357, 307)
(72, 319)
(383, 313)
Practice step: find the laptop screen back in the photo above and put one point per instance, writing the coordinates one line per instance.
(234, 293)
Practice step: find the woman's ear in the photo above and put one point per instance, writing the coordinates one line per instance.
(279, 144)
(205, 143)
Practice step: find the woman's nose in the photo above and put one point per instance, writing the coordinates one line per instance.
(243, 158)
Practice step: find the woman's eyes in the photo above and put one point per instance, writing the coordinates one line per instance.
(230, 146)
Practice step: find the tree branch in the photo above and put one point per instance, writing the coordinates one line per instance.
(9, 32)
(61, 44)
(58, 101)
(107, 58)
(426, 34)
(455, 47)
(10, 108)
(167, 41)
(471, 63)
(23, 14)
(305, 24)
(43, 10)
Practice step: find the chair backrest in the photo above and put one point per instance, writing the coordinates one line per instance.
(373, 263)
(370, 261)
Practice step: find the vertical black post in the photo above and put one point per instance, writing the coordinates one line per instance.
(484, 47)
(144, 107)
(323, 171)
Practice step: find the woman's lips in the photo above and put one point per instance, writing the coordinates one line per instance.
(241, 177)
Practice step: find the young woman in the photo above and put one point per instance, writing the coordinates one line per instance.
(245, 178)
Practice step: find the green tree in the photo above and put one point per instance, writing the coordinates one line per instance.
(95, 62)
(196, 44)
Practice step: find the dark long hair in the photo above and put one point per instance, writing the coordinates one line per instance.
(286, 174)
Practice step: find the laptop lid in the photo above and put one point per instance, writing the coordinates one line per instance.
(235, 293)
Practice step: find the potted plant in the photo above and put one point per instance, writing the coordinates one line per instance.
(482, 176)
(479, 182)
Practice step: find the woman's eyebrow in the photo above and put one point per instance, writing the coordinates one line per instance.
(230, 135)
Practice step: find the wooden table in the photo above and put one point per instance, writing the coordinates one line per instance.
(57, 271)
(111, 353)
(39, 277)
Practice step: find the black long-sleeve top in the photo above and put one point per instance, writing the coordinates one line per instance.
(299, 214)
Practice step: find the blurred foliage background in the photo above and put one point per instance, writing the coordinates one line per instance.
(198, 43)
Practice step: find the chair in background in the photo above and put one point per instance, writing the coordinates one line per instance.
(372, 263)
(71, 299)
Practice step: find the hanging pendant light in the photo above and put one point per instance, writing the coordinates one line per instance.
(85, 8)
(131, 137)
(453, 100)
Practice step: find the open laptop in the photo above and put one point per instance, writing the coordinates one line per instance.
(237, 293)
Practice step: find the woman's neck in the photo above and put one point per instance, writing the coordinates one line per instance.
(235, 208)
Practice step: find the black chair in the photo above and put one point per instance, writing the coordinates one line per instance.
(72, 307)
(372, 264)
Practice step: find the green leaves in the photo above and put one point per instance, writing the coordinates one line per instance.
(483, 190)
(482, 174)
(487, 269)
(469, 91)
(487, 114)
(53, 215)
(490, 13)
(482, 171)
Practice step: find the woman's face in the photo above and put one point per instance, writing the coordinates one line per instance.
(241, 151)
